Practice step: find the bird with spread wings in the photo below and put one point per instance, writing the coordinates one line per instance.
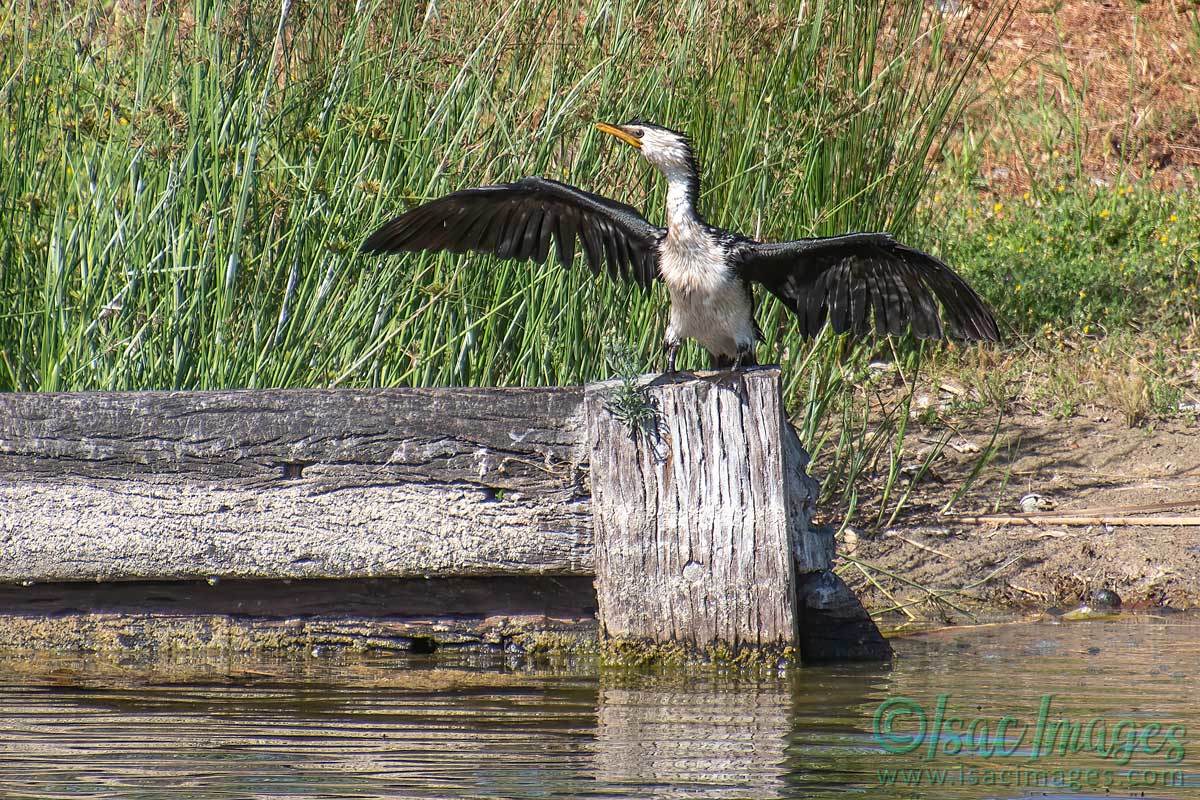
(857, 283)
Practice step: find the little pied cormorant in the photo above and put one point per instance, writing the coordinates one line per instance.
(707, 271)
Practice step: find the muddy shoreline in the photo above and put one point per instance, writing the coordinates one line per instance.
(929, 563)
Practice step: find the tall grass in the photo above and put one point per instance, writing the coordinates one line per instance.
(185, 188)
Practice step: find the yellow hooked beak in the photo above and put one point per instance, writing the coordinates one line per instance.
(620, 133)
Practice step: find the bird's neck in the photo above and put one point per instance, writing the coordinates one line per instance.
(683, 220)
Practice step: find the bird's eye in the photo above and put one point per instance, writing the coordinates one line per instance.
(638, 132)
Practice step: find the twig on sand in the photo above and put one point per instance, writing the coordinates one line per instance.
(871, 579)
(1068, 519)
(918, 545)
(1041, 596)
(935, 594)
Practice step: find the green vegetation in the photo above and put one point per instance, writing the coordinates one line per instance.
(186, 190)
(1077, 260)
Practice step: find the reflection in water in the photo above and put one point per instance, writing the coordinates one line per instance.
(389, 728)
(708, 741)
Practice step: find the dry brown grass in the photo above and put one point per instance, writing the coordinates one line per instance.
(1130, 392)
(1137, 378)
(1101, 87)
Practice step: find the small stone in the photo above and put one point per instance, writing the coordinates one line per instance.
(1035, 502)
(1104, 599)
(849, 541)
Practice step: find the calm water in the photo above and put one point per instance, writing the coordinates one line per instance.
(386, 727)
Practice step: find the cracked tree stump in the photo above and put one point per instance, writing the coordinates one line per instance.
(702, 519)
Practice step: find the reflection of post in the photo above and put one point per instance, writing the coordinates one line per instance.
(720, 742)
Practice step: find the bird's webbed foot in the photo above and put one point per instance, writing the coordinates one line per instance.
(734, 377)
(733, 380)
(672, 349)
(671, 375)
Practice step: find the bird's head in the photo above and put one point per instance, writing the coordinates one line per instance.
(666, 149)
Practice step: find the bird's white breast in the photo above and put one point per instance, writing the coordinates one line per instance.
(708, 301)
(693, 262)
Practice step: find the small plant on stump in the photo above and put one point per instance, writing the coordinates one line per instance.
(629, 404)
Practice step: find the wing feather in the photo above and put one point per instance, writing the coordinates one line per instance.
(519, 220)
(545, 235)
(494, 234)
(816, 302)
(837, 289)
(473, 232)
(878, 290)
(413, 228)
(511, 233)
(593, 248)
(850, 279)
(859, 317)
(564, 239)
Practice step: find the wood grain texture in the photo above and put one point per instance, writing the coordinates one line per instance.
(693, 525)
(305, 484)
(705, 518)
(270, 615)
(813, 546)
(508, 439)
(292, 484)
(132, 530)
(407, 598)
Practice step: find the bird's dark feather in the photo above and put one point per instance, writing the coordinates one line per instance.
(849, 279)
(518, 220)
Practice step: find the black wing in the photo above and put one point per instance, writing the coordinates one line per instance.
(517, 220)
(847, 279)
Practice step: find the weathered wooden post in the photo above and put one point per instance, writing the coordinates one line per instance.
(702, 513)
